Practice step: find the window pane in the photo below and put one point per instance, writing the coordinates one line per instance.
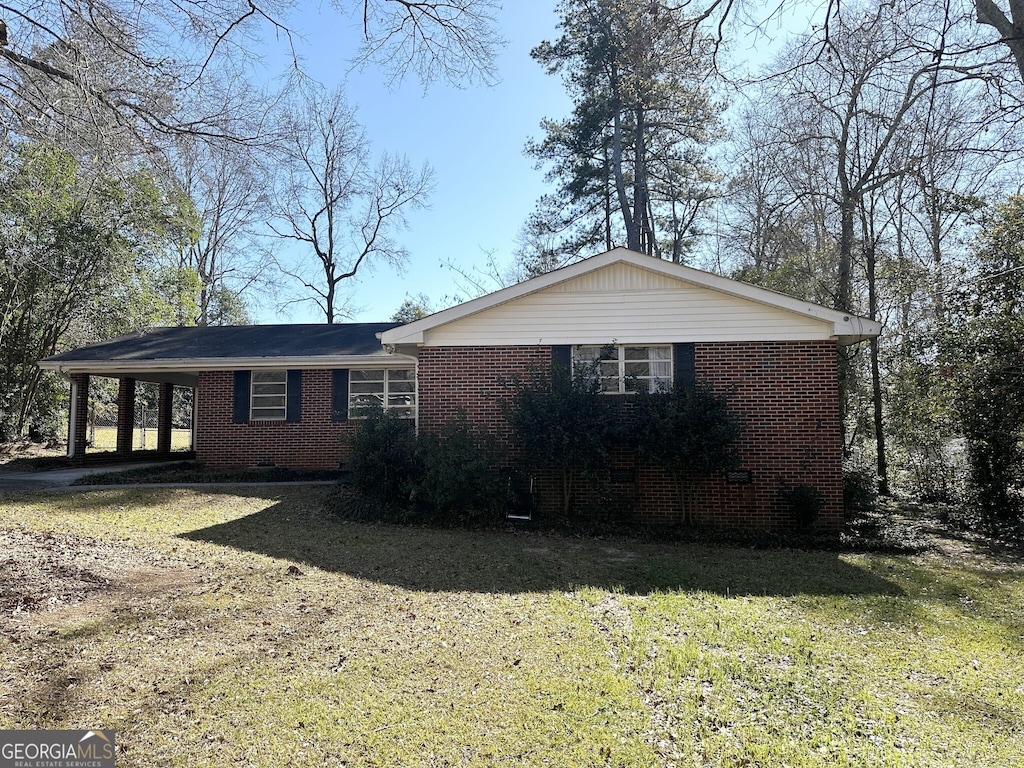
(650, 365)
(268, 401)
(264, 414)
(367, 375)
(367, 401)
(268, 396)
(269, 389)
(638, 369)
(661, 369)
(277, 377)
(390, 388)
(587, 354)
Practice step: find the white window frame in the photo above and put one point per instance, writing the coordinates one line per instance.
(393, 396)
(616, 371)
(259, 410)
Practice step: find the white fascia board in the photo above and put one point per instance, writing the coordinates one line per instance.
(381, 360)
(846, 327)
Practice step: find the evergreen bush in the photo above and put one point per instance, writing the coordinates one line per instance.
(446, 478)
(689, 431)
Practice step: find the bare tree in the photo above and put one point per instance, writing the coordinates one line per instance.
(228, 187)
(451, 40)
(155, 67)
(858, 150)
(338, 204)
(853, 104)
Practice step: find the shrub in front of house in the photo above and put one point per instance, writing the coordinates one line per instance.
(445, 478)
(458, 481)
(689, 431)
(385, 457)
(804, 503)
(561, 423)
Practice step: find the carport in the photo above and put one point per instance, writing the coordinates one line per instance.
(118, 359)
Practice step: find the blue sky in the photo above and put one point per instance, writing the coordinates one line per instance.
(472, 137)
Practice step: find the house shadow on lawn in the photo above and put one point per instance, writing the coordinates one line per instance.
(503, 561)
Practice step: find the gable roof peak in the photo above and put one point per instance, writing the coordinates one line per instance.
(847, 328)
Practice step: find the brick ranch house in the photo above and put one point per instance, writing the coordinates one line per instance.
(289, 395)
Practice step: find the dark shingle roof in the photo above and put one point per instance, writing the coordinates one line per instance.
(235, 341)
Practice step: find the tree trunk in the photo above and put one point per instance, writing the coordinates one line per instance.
(566, 491)
(640, 192)
(628, 220)
(1011, 30)
(607, 199)
(844, 293)
(882, 461)
(871, 259)
(687, 488)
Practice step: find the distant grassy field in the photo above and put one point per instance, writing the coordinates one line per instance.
(249, 628)
(105, 438)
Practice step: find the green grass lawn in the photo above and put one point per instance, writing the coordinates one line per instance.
(105, 438)
(249, 628)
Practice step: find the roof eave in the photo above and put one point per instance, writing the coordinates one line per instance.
(221, 363)
(853, 330)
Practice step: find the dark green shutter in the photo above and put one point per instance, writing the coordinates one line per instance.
(293, 411)
(339, 396)
(561, 360)
(685, 364)
(240, 414)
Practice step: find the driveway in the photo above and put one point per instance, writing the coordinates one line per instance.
(58, 478)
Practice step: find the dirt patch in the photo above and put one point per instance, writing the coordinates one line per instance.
(26, 456)
(46, 571)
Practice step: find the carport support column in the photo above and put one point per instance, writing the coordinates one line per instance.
(165, 405)
(78, 418)
(125, 415)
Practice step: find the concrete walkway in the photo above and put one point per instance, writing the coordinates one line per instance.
(60, 478)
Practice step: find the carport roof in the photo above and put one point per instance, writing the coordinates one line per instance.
(163, 350)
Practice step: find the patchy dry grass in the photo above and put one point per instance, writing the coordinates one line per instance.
(248, 628)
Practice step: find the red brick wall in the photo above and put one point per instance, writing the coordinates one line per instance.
(316, 442)
(474, 379)
(786, 393)
(125, 415)
(81, 425)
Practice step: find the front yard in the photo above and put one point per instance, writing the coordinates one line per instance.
(250, 628)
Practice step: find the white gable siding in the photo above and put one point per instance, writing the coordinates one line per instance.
(627, 304)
